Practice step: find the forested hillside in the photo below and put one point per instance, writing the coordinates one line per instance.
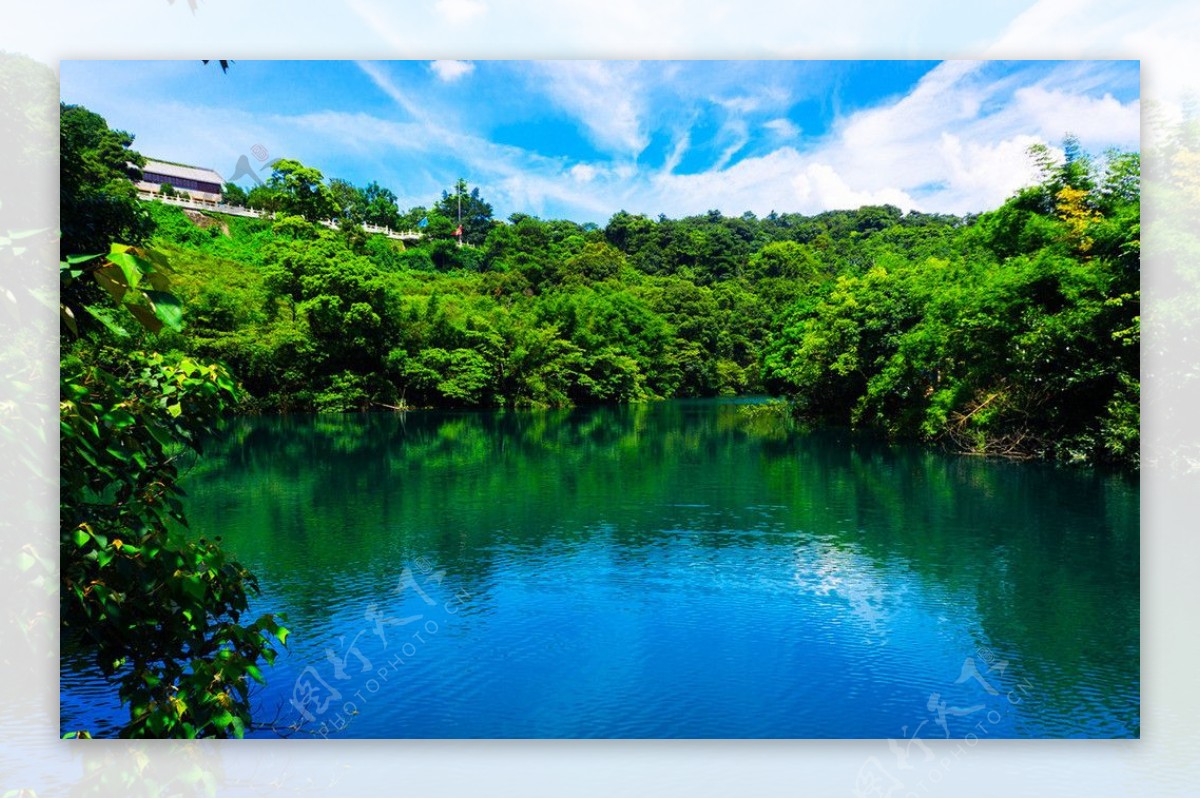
(1012, 332)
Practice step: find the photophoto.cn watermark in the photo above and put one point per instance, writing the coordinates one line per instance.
(326, 698)
(244, 169)
(913, 769)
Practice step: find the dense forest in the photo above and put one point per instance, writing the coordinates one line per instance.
(1014, 332)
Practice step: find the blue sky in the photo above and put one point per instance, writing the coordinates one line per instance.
(584, 139)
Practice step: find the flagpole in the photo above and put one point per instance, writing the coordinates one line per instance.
(459, 192)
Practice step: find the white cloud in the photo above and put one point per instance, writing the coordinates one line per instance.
(1071, 25)
(737, 131)
(1162, 32)
(1097, 119)
(450, 70)
(957, 142)
(783, 180)
(766, 97)
(510, 177)
(820, 187)
(584, 173)
(603, 97)
(385, 84)
(683, 140)
(977, 175)
(740, 105)
(783, 128)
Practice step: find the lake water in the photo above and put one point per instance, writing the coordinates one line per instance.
(680, 569)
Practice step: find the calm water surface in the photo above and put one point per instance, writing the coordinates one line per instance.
(675, 569)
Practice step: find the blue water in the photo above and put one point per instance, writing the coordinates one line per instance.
(671, 570)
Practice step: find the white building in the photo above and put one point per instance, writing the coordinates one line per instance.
(201, 184)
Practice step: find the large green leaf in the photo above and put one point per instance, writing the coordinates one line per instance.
(112, 279)
(104, 316)
(146, 315)
(167, 308)
(161, 264)
(159, 281)
(131, 266)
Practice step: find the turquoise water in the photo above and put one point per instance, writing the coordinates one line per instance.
(676, 569)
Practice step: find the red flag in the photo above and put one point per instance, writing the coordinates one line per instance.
(458, 232)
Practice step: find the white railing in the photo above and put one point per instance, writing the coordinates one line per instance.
(238, 210)
(383, 231)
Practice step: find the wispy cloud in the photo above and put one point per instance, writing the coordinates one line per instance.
(683, 140)
(737, 134)
(604, 98)
(968, 132)
(586, 139)
(767, 97)
(957, 142)
(783, 128)
(385, 84)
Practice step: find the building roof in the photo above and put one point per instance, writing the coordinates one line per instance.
(199, 173)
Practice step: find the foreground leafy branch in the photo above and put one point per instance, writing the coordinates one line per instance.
(161, 611)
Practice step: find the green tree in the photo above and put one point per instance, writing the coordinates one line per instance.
(264, 198)
(97, 200)
(161, 611)
(302, 191)
(456, 377)
(597, 261)
(1020, 344)
(785, 259)
(470, 207)
(380, 206)
(233, 194)
(348, 200)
